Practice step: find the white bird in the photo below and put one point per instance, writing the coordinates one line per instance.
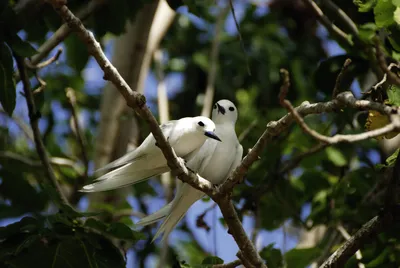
(185, 136)
(214, 161)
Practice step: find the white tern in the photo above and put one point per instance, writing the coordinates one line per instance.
(185, 136)
(214, 161)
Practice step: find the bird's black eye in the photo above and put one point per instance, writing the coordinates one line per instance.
(201, 124)
(231, 109)
(215, 106)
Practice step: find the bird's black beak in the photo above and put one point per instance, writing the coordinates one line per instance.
(212, 135)
(220, 109)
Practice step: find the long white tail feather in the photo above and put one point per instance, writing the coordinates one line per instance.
(187, 197)
(123, 179)
(156, 216)
(121, 161)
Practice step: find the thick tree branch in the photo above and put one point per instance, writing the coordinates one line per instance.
(368, 231)
(347, 236)
(238, 233)
(34, 120)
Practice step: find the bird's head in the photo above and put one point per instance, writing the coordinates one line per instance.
(206, 126)
(224, 111)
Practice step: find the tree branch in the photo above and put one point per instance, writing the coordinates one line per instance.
(332, 28)
(393, 78)
(228, 265)
(46, 62)
(369, 230)
(60, 35)
(347, 236)
(34, 118)
(393, 126)
(339, 78)
(77, 130)
(236, 230)
(212, 71)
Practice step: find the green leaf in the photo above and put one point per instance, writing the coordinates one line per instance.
(273, 256)
(7, 83)
(367, 31)
(396, 3)
(364, 5)
(96, 224)
(390, 161)
(77, 54)
(121, 231)
(25, 224)
(16, 188)
(49, 251)
(301, 257)
(336, 156)
(393, 93)
(384, 13)
(212, 260)
(20, 47)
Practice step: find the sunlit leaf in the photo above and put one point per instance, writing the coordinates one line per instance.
(384, 13)
(377, 120)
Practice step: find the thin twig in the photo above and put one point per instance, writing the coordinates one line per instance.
(46, 62)
(292, 163)
(393, 126)
(200, 219)
(228, 265)
(70, 93)
(77, 130)
(342, 36)
(21, 124)
(57, 161)
(384, 78)
(388, 74)
(34, 120)
(247, 131)
(61, 33)
(212, 70)
(347, 236)
(340, 14)
(339, 78)
(240, 36)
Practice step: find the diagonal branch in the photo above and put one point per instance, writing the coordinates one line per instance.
(34, 120)
(342, 36)
(369, 230)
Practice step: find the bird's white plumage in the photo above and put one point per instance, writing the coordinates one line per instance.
(213, 161)
(185, 136)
